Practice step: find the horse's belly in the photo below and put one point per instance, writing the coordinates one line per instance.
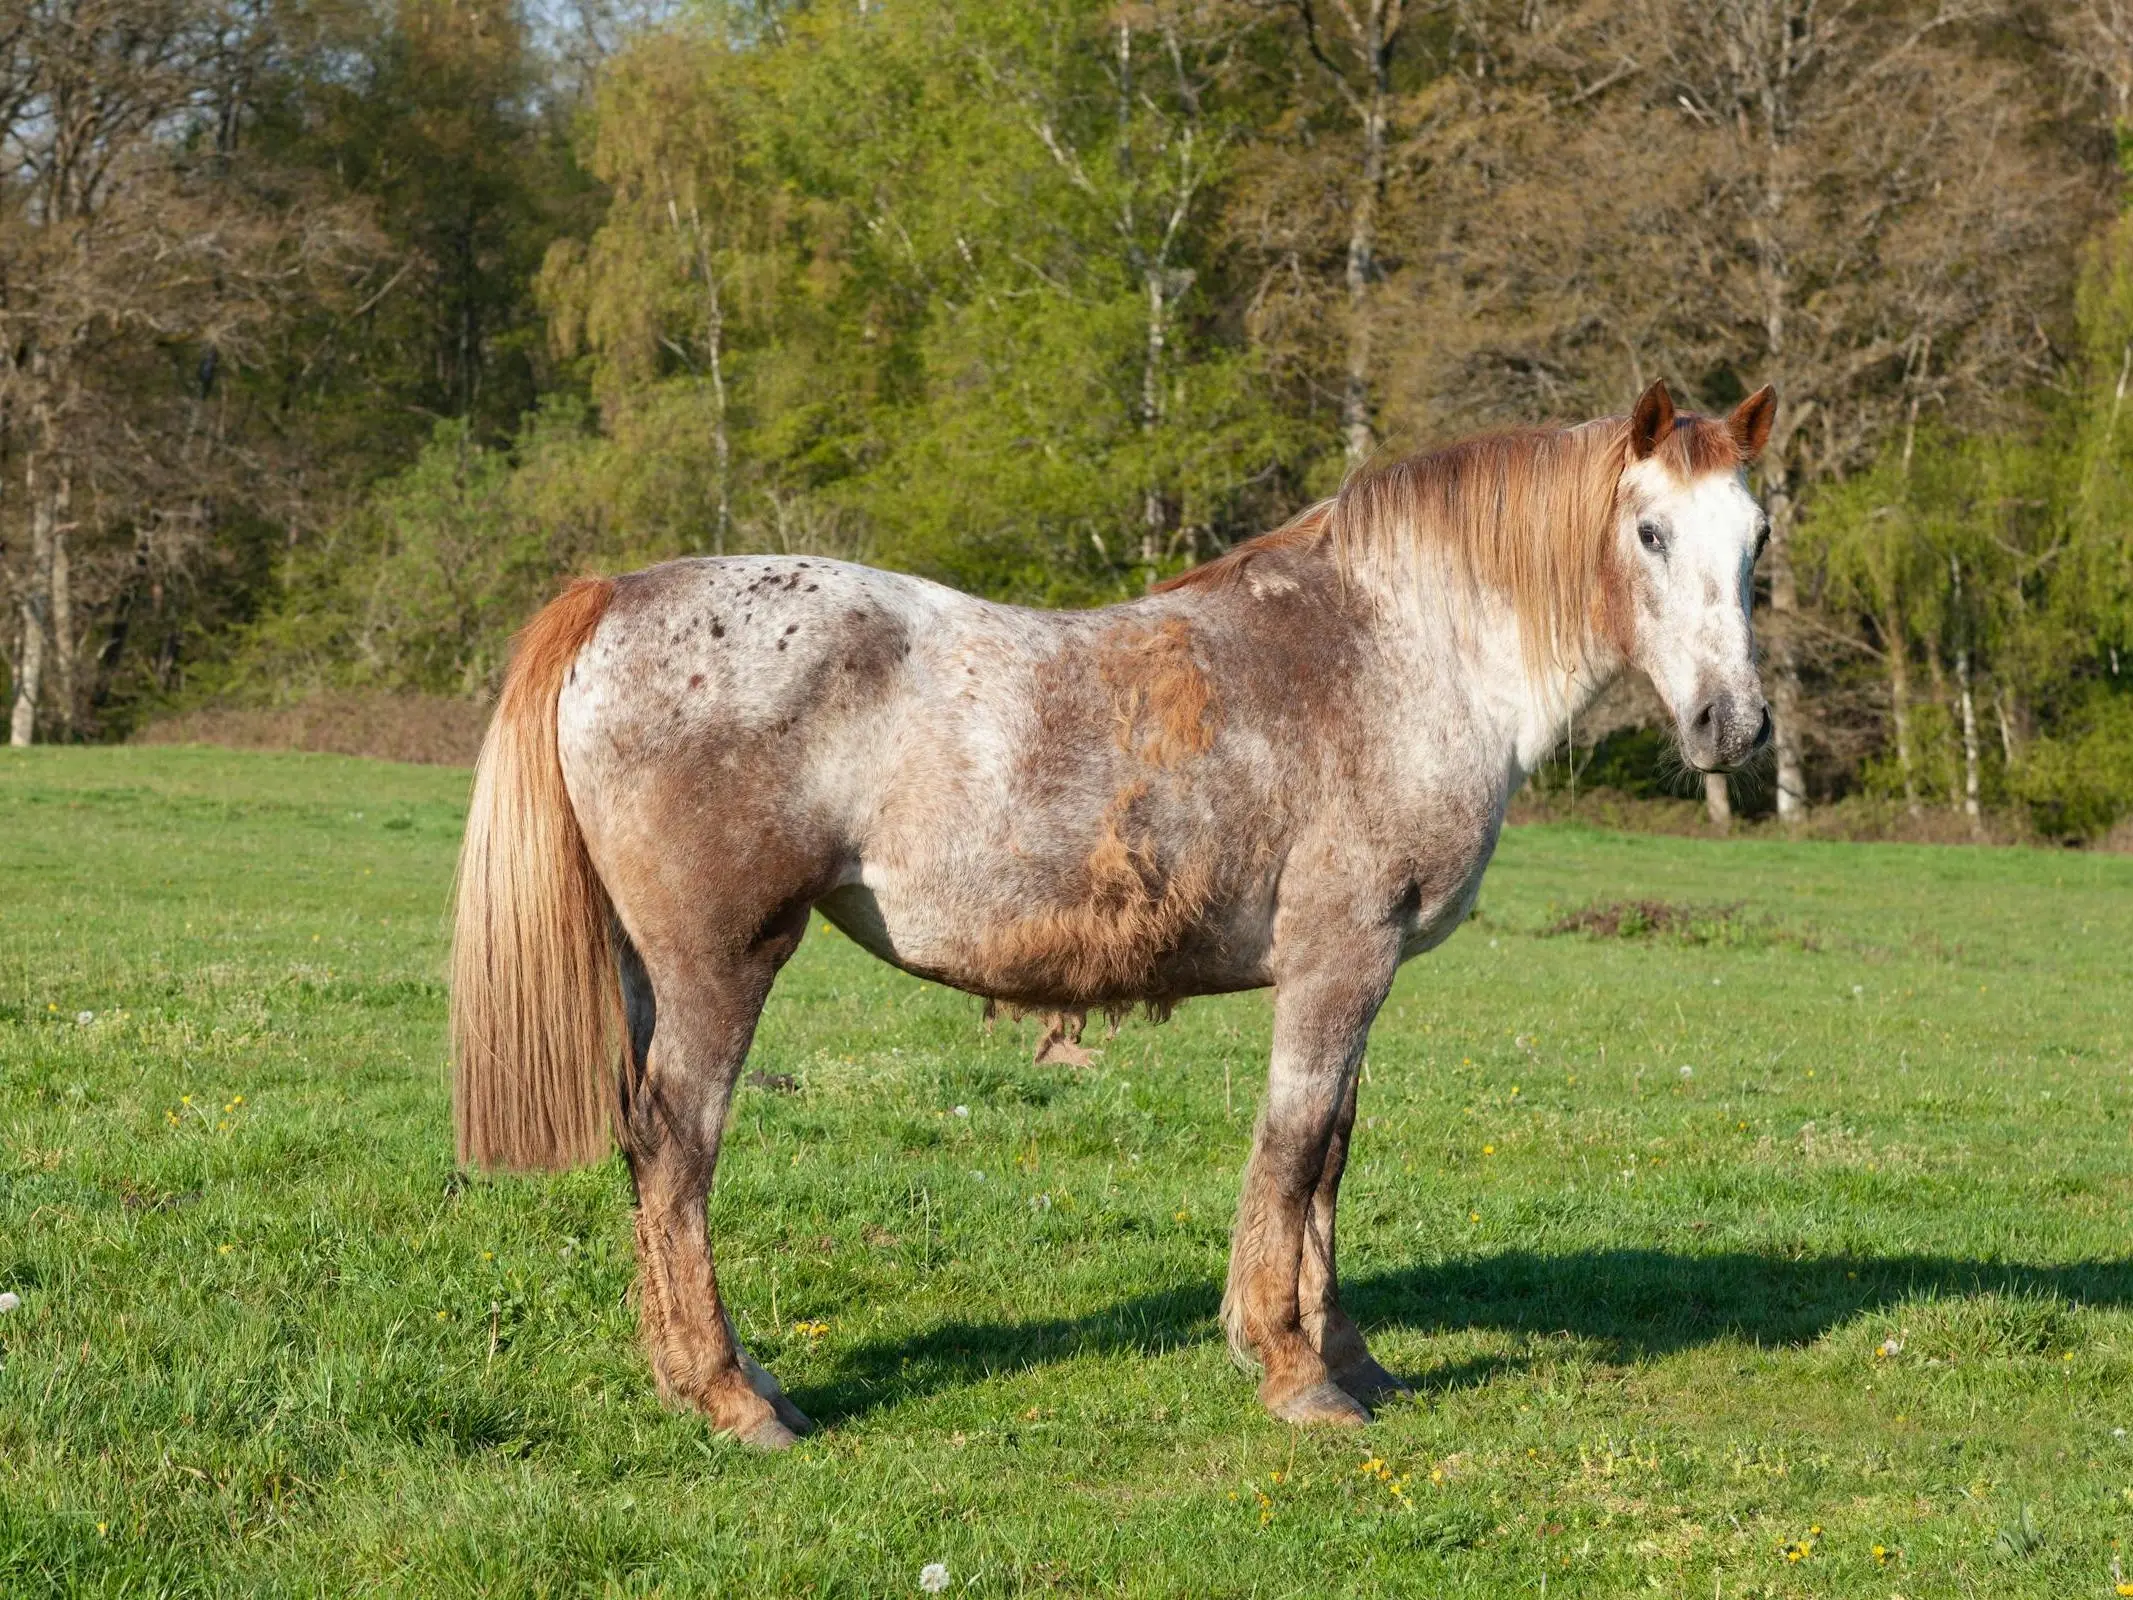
(1159, 943)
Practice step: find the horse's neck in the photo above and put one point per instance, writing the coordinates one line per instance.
(1477, 655)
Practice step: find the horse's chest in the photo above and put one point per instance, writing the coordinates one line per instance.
(1446, 879)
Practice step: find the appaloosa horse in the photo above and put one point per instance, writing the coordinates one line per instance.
(1286, 767)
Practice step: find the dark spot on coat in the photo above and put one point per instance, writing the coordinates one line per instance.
(792, 629)
(696, 680)
(781, 644)
(718, 630)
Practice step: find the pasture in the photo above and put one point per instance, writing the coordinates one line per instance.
(1770, 1240)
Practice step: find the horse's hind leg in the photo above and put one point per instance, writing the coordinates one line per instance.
(685, 1059)
(1332, 1333)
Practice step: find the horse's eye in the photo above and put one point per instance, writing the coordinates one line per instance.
(1652, 537)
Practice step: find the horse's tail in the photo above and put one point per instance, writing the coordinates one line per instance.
(536, 1011)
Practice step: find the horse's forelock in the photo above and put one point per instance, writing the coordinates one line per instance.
(1698, 446)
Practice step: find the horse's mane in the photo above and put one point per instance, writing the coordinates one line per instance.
(1527, 512)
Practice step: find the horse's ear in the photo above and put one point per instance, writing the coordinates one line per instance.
(1651, 422)
(1750, 422)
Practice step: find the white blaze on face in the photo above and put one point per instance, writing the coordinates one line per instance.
(1690, 549)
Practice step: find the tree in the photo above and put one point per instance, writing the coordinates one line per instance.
(1761, 190)
(137, 261)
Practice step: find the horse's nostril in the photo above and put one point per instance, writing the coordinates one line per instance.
(1703, 717)
(1763, 730)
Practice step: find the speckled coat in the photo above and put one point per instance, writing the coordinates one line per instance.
(1290, 771)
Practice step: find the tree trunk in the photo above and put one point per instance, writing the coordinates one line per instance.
(1151, 415)
(715, 364)
(1900, 705)
(714, 342)
(1784, 663)
(1718, 801)
(1376, 49)
(1784, 587)
(1971, 807)
(63, 641)
(34, 611)
(1951, 745)
(721, 445)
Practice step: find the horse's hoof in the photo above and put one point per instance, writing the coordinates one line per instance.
(1323, 1405)
(1367, 1381)
(766, 1387)
(768, 1434)
(796, 1421)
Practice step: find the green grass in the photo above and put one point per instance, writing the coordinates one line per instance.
(279, 1345)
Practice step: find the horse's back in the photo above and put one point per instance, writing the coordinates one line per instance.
(959, 780)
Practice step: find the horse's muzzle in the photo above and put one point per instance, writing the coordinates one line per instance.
(1725, 730)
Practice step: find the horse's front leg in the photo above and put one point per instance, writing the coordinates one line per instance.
(1329, 1328)
(1274, 1308)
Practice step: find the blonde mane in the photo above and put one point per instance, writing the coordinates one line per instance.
(1527, 513)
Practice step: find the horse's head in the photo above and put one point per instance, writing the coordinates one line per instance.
(1688, 533)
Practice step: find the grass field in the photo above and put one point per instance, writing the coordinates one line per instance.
(1781, 1253)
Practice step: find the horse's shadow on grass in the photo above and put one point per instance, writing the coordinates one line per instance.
(1620, 1305)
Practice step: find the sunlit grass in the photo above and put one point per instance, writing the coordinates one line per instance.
(1782, 1251)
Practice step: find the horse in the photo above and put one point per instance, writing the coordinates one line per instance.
(1286, 767)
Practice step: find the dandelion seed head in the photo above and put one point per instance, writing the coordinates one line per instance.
(962, 1111)
(10, 1301)
(933, 1577)
(84, 1018)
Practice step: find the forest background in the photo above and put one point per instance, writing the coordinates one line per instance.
(333, 331)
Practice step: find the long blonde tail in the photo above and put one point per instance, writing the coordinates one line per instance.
(536, 1009)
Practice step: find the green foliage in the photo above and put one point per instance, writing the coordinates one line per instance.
(2078, 780)
(932, 286)
(1050, 298)
(450, 130)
